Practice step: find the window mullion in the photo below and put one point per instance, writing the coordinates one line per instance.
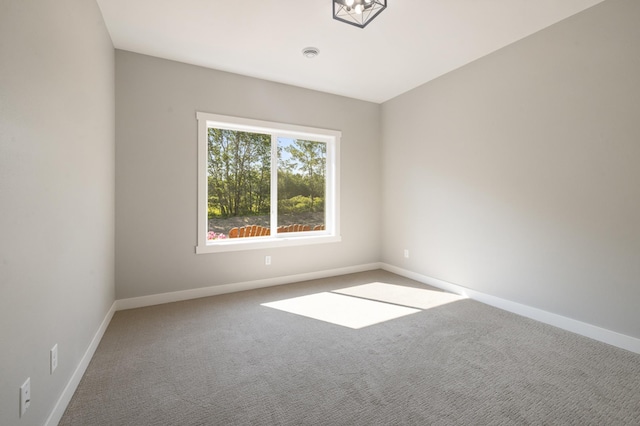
(274, 186)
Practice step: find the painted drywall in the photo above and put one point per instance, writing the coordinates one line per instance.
(156, 175)
(517, 175)
(56, 193)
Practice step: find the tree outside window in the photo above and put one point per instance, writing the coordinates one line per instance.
(239, 182)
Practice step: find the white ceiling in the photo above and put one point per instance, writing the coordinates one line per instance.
(408, 44)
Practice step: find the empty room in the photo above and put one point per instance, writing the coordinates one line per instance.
(332, 212)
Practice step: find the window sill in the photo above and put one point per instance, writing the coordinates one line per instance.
(242, 244)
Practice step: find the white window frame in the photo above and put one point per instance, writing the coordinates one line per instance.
(330, 234)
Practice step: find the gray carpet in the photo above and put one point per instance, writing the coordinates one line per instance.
(227, 360)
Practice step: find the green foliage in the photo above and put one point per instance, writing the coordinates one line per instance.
(213, 211)
(300, 204)
(239, 174)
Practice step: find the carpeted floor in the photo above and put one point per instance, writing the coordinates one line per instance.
(228, 360)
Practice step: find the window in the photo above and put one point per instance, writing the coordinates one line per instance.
(263, 184)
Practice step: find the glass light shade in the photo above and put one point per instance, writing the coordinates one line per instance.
(357, 12)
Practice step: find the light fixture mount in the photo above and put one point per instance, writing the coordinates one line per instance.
(357, 12)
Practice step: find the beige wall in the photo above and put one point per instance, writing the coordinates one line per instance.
(156, 180)
(56, 194)
(518, 174)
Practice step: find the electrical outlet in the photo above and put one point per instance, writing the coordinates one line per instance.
(53, 358)
(267, 260)
(406, 253)
(25, 396)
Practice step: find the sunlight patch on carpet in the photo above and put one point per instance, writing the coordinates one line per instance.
(420, 298)
(339, 309)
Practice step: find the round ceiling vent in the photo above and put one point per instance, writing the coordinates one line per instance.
(310, 52)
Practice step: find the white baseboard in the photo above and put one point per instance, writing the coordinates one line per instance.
(177, 296)
(67, 393)
(597, 333)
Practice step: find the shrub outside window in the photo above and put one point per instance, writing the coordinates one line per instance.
(263, 184)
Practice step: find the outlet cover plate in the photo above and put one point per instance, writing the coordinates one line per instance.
(54, 358)
(25, 396)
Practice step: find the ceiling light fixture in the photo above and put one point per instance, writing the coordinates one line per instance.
(357, 12)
